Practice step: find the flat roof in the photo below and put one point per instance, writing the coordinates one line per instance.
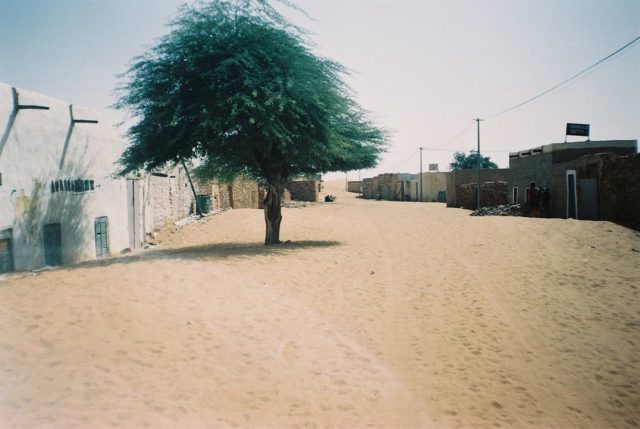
(588, 144)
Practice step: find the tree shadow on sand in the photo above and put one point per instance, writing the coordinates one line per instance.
(208, 252)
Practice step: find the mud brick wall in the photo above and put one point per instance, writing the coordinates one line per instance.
(354, 186)
(491, 194)
(367, 188)
(304, 190)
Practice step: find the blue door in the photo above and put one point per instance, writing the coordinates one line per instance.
(6, 252)
(102, 236)
(52, 245)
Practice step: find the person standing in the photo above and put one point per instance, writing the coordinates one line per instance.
(545, 202)
(534, 200)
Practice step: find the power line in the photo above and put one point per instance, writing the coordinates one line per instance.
(464, 150)
(397, 166)
(493, 115)
(452, 139)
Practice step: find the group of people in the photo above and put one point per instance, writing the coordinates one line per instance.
(539, 201)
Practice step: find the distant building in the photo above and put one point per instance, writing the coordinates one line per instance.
(434, 187)
(406, 187)
(461, 181)
(556, 167)
(354, 186)
(304, 189)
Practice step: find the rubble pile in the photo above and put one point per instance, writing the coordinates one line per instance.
(294, 204)
(491, 194)
(501, 210)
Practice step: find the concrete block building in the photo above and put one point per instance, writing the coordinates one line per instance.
(555, 166)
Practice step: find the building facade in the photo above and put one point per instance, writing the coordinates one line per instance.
(555, 166)
(59, 199)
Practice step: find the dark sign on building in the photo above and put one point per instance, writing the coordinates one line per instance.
(578, 130)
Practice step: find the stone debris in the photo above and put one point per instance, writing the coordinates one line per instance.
(501, 210)
(298, 204)
(192, 218)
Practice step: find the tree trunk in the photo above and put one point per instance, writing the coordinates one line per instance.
(273, 210)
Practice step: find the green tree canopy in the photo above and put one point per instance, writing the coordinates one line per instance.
(462, 161)
(236, 86)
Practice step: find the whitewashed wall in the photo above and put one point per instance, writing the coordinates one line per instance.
(30, 162)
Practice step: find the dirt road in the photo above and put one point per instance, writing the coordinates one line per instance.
(383, 314)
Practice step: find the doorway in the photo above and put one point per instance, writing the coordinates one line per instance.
(102, 236)
(52, 245)
(135, 205)
(6, 252)
(588, 201)
(572, 203)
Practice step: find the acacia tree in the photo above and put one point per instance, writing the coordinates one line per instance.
(462, 161)
(236, 86)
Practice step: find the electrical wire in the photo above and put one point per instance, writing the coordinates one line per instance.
(414, 153)
(493, 115)
(451, 140)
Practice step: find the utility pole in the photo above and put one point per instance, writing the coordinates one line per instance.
(421, 173)
(195, 197)
(479, 159)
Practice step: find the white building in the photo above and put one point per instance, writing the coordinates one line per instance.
(60, 202)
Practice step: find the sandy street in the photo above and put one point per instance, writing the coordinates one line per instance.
(376, 314)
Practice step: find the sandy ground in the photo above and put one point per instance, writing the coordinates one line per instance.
(381, 314)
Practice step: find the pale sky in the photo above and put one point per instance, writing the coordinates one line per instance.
(424, 69)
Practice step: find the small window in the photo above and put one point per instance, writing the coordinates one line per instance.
(526, 195)
(86, 185)
(57, 185)
(53, 188)
(515, 194)
(91, 185)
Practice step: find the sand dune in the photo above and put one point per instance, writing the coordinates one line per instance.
(377, 314)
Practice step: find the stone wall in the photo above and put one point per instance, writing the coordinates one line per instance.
(245, 194)
(618, 179)
(491, 194)
(304, 190)
(168, 198)
(457, 178)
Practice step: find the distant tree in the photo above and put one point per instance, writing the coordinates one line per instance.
(461, 161)
(237, 87)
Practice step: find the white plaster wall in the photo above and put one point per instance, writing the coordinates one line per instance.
(29, 163)
(432, 183)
